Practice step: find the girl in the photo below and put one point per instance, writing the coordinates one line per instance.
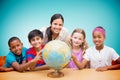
(100, 55)
(78, 45)
(56, 31)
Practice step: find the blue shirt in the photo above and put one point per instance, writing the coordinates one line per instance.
(11, 57)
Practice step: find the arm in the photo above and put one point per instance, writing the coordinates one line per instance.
(2, 69)
(112, 67)
(36, 59)
(22, 67)
(44, 67)
(80, 65)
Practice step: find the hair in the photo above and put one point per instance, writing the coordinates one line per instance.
(48, 31)
(56, 16)
(100, 29)
(84, 45)
(34, 33)
(12, 39)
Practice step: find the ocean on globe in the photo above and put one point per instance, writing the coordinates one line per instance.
(56, 54)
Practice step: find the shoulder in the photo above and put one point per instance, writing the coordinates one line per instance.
(65, 29)
(10, 55)
(24, 49)
(64, 32)
(107, 48)
(30, 51)
(90, 49)
(43, 29)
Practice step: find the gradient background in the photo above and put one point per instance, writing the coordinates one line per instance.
(19, 17)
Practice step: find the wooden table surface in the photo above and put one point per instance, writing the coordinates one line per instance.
(69, 74)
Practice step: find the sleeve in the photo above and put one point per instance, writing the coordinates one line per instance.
(29, 55)
(64, 35)
(24, 50)
(115, 56)
(43, 30)
(10, 59)
(87, 55)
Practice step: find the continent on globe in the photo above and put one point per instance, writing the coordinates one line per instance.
(56, 55)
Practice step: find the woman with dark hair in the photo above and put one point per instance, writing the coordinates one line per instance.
(55, 31)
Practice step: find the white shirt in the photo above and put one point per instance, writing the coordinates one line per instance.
(102, 58)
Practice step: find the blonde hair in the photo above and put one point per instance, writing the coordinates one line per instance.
(84, 45)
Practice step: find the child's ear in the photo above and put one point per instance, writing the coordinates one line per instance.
(9, 48)
(83, 40)
(42, 40)
(70, 37)
(104, 37)
(22, 44)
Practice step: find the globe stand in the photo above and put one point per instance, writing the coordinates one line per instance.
(55, 74)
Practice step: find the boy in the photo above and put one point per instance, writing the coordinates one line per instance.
(35, 38)
(16, 58)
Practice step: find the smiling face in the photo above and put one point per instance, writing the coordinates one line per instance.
(77, 39)
(98, 39)
(36, 42)
(56, 26)
(16, 47)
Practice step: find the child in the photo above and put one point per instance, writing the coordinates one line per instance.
(35, 38)
(100, 56)
(16, 59)
(78, 45)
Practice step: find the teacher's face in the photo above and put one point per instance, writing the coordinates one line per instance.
(56, 26)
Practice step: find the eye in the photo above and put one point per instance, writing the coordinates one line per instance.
(60, 24)
(37, 38)
(80, 39)
(94, 37)
(18, 45)
(13, 47)
(75, 37)
(55, 23)
(32, 39)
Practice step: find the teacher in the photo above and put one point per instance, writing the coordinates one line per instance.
(55, 31)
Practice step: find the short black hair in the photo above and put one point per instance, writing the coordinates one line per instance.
(12, 39)
(34, 33)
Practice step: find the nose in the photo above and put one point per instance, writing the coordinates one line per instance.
(57, 26)
(17, 48)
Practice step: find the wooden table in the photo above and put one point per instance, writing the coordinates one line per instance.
(69, 74)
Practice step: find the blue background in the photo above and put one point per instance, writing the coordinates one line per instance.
(19, 17)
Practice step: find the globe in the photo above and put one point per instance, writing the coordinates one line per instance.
(56, 55)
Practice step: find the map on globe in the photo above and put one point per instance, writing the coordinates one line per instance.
(56, 54)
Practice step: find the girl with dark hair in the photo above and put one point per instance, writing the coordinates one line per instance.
(55, 31)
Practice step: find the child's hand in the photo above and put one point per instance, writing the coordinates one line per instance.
(73, 56)
(2, 69)
(102, 69)
(38, 57)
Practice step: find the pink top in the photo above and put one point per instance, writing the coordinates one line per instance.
(78, 56)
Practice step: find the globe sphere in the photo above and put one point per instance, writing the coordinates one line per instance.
(56, 54)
